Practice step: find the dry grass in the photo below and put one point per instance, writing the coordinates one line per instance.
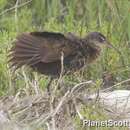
(58, 111)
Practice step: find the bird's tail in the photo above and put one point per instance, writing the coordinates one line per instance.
(26, 51)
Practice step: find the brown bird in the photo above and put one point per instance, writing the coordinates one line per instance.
(42, 51)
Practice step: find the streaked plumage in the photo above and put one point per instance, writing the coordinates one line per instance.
(42, 51)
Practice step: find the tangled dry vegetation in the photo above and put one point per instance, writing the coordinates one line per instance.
(50, 111)
(58, 110)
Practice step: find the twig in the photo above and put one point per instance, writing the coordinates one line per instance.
(82, 83)
(13, 8)
(61, 103)
(49, 85)
(120, 83)
(53, 113)
(67, 94)
(78, 111)
(48, 126)
(52, 102)
(36, 87)
(62, 71)
(16, 14)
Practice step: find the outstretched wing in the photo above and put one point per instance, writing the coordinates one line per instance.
(46, 47)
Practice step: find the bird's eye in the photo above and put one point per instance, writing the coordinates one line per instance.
(102, 39)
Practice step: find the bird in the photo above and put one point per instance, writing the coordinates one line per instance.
(42, 51)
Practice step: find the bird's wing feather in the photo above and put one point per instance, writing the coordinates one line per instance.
(37, 47)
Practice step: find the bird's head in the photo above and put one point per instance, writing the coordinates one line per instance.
(97, 39)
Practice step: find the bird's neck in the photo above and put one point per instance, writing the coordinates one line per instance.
(93, 52)
(90, 51)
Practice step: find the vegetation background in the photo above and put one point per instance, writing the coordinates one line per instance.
(110, 17)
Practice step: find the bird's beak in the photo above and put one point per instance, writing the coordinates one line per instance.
(111, 46)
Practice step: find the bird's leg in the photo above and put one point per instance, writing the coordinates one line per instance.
(49, 86)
